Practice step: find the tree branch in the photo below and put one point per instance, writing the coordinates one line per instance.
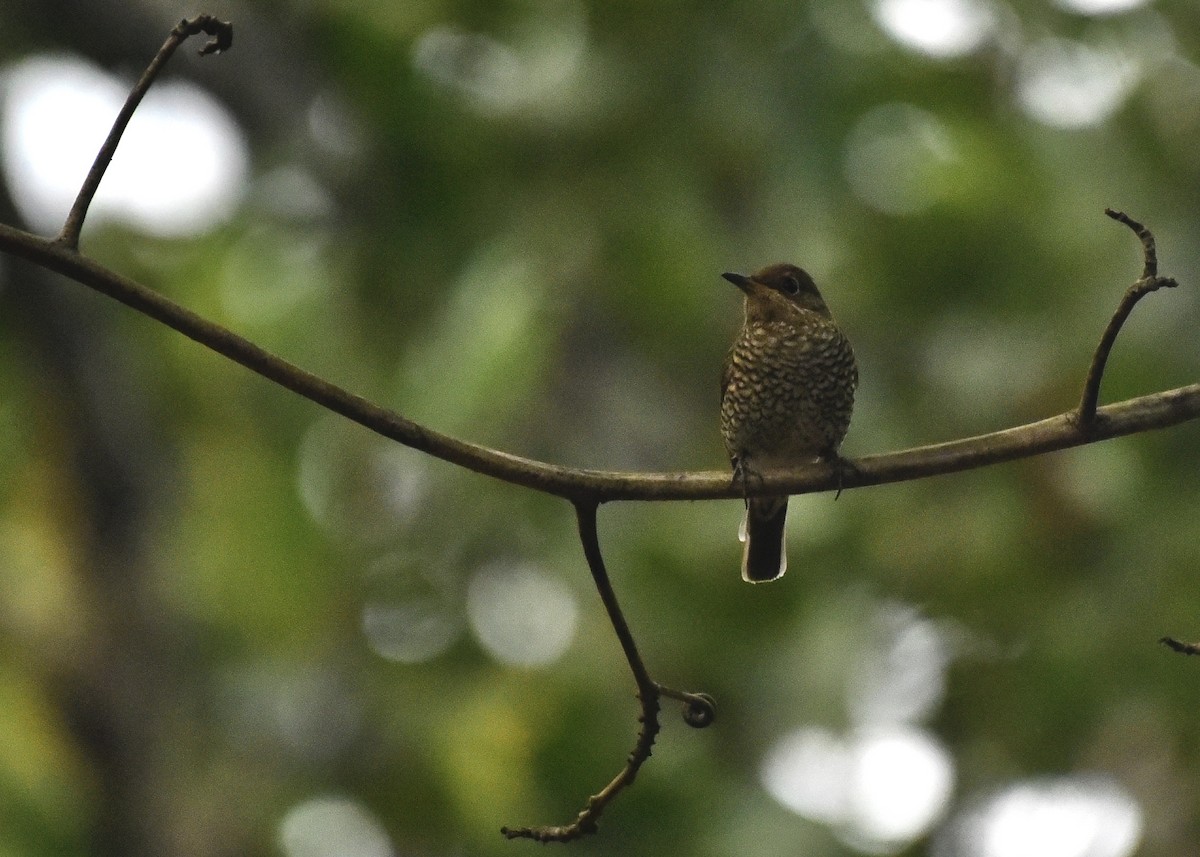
(647, 694)
(222, 39)
(588, 488)
(1147, 283)
(1181, 647)
(1159, 410)
(699, 710)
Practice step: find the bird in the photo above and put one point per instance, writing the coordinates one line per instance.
(787, 393)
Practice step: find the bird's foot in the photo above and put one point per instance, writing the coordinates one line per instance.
(842, 468)
(743, 474)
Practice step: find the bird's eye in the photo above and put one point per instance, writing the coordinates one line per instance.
(791, 284)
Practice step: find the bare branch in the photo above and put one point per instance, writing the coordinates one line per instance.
(1156, 411)
(647, 694)
(699, 710)
(585, 514)
(1147, 283)
(222, 39)
(1149, 252)
(1181, 647)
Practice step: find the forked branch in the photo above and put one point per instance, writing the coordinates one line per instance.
(1149, 282)
(1155, 411)
(586, 489)
(699, 709)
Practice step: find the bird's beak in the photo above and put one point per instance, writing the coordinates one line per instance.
(739, 280)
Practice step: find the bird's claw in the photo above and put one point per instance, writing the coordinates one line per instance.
(742, 474)
(842, 467)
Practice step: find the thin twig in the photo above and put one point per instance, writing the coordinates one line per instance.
(699, 709)
(647, 693)
(1181, 647)
(1149, 252)
(1156, 411)
(222, 39)
(585, 514)
(1147, 283)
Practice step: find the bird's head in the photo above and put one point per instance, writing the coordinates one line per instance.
(776, 290)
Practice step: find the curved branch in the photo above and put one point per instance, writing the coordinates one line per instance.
(1155, 411)
(1181, 647)
(699, 710)
(1149, 282)
(585, 515)
(222, 39)
(1149, 251)
(647, 693)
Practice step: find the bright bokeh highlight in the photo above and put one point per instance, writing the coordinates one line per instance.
(937, 28)
(904, 680)
(1101, 7)
(1081, 816)
(1068, 84)
(333, 827)
(521, 615)
(410, 613)
(359, 487)
(180, 169)
(897, 157)
(542, 55)
(887, 780)
(879, 789)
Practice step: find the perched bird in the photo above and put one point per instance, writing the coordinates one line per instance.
(786, 396)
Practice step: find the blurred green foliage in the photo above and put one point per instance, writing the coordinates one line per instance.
(230, 620)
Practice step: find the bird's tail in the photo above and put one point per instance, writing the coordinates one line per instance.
(763, 531)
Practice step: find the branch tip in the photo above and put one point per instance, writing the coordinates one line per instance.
(222, 39)
(1148, 282)
(1181, 647)
(699, 709)
(1149, 251)
(221, 32)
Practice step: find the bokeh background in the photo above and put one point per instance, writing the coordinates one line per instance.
(232, 624)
